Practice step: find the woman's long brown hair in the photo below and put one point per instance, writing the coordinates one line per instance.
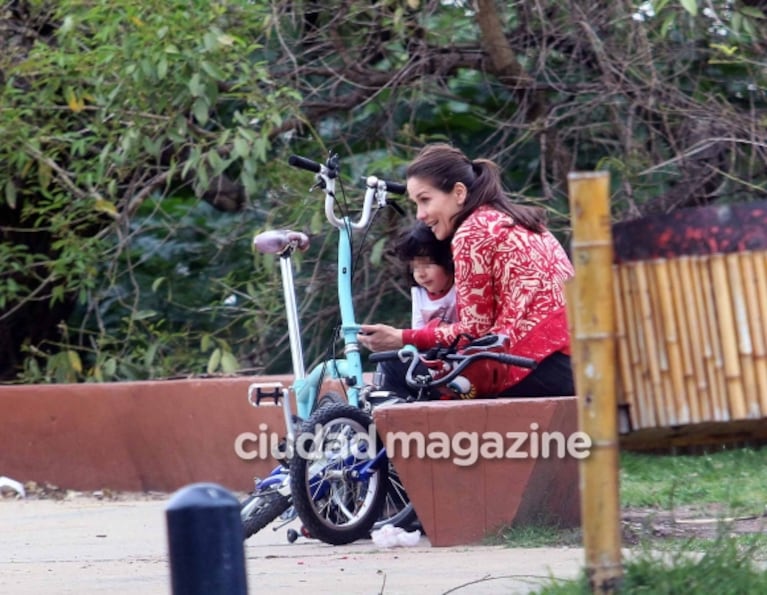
(443, 166)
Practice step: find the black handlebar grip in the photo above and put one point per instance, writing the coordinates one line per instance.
(304, 163)
(395, 187)
(517, 360)
(382, 356)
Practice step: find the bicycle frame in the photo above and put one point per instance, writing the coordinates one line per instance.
(305, 387)
(348, 369)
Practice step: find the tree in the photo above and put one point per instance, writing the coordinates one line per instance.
(104, 108)
(114, 114)
(670, 97)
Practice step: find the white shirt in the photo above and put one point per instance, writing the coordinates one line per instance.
(426, 309)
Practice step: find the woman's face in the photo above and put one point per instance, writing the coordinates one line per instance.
(436, 208)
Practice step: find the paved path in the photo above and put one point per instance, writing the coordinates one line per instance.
(84, 545)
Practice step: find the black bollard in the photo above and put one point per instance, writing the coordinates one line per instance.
(205, 542)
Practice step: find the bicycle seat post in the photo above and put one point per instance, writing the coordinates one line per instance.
(291, 311)
(283, 242)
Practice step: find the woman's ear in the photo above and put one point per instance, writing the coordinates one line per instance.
(460, 192)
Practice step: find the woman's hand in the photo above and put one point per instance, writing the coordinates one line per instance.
(380, 337)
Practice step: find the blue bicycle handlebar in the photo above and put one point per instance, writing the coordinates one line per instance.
(330, 169)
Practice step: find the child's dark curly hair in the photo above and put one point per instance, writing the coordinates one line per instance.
(420, 241)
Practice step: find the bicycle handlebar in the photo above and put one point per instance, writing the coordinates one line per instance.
(463, 361)
(376, 190)
(395, 187)
(382, 356)
(304, 163)
(517, 360)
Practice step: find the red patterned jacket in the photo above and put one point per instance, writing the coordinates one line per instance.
(509, 281)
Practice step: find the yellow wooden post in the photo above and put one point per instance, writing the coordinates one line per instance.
(592, 318)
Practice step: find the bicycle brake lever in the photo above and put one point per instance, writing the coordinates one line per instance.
(397, 208)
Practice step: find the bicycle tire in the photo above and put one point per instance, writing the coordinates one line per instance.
(261, 508)
(329, 398)
(334, 507)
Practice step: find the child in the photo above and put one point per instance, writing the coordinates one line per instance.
(433, 296)
(431, 264)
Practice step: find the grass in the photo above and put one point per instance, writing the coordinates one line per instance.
(696, 558)
(538, 536)
(726, 483)
(722, 568)
(733, 479)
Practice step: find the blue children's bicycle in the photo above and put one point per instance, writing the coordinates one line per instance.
(271, 497)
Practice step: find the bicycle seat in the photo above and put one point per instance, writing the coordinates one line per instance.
(276, 241)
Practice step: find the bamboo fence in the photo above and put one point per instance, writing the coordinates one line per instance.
(691, 339)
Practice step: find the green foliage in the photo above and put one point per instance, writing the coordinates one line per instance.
(690, 6)
(145, 142)
(143, 84)
(125, 105)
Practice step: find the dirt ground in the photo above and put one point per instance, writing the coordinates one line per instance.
(66, 543)
(686, 522)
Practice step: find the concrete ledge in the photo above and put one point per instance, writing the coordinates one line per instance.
(162, 435)
(135, 436)
(463, 504)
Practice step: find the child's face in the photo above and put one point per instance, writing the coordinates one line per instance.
(432, 277)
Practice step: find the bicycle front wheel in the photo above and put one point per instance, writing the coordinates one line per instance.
(336, 493)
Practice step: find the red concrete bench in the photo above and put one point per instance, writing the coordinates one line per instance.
(461, 501)
(153, 435)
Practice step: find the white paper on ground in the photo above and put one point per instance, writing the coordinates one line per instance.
(391, 536)
(16, 486)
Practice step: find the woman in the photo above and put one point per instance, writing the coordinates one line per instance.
(509, 271)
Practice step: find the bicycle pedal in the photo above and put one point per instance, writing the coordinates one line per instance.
(266, 390)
